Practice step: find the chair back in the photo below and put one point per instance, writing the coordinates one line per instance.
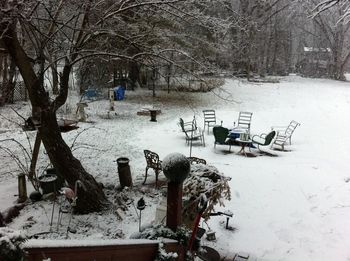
(220, 134)
(182, 124)
(193, 125)
(291, 128)
(195, 160)
(152, 159)
(269, 137)
(209, 116)
(244, 119)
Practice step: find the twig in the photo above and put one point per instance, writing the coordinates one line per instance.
(11, 120)
(81, 132)
(18, 114)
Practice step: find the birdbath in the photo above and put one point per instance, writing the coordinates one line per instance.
(176, 167)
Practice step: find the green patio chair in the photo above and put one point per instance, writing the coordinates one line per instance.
(221, 136)
(263, 139)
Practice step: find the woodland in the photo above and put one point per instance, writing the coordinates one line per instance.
(102, 40)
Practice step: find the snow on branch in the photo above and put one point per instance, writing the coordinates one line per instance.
(328, 4)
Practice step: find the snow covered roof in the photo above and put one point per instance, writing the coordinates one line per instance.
(316, 49)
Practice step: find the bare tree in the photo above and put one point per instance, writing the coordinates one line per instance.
(69, 32)
(332, 31)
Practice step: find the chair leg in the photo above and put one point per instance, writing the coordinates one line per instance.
(145, 176)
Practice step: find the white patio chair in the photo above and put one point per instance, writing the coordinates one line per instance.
(284, 134)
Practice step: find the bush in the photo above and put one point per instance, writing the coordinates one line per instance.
(204, 179)
(10, 244)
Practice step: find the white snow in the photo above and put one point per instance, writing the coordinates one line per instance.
(292, 207)
(42, 243)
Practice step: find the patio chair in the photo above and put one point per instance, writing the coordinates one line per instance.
(220, 135)
(153, 162)
(284, 134)
(244, 121)
(195, 160)
(209, 118)
(187, 126)
(195, 135)
(263, 139)
(192, 132)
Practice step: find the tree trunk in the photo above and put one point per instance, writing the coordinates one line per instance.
(92, 197)
(134, 74)
(11, 84)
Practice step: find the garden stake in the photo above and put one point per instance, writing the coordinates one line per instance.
(202, 205)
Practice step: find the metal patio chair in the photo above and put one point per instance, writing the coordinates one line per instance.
(209, 119)
(153, 162)
(284, 134)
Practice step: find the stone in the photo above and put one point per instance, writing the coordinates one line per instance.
(35, 196)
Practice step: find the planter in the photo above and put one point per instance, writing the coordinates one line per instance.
(60, 180)
(51, 181)
(153, 114)
(124, 172)
(48, 183)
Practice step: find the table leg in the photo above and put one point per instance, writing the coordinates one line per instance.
(242, 150)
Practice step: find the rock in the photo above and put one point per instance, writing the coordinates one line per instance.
(35, 196)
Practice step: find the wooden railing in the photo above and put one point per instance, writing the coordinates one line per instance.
(111, 250)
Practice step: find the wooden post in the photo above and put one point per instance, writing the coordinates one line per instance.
(176, 168)
(22, 188)
(174, 205)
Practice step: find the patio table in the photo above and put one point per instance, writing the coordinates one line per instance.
(244, 143)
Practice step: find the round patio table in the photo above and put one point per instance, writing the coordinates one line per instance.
(243, 143)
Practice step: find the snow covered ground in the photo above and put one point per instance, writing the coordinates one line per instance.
(292, 207)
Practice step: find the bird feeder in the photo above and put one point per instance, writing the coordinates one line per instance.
(140, 206)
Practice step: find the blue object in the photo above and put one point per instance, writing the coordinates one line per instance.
(235, 135)
(90, 94)
(119, 93)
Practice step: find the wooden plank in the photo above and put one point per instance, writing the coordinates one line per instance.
(135, 252)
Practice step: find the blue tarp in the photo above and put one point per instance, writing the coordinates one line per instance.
(119, 93)
(90, 93)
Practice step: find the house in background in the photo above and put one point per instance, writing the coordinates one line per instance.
(314, 62)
